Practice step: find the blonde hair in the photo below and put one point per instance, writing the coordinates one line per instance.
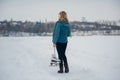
(63, 16)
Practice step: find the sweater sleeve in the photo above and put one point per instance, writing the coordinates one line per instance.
(56, 33)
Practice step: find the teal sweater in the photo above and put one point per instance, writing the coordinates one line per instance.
(61, 32)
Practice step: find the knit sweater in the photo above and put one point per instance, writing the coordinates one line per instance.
(61, 32)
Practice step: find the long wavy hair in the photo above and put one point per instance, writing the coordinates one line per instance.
(63, 16)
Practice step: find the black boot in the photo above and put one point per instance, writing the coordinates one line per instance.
(61, 68)
(66, 68)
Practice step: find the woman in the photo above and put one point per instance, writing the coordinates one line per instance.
(60, 34)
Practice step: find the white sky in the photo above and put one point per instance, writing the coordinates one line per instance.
(35, 10)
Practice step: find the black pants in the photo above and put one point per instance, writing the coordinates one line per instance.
(61, 48)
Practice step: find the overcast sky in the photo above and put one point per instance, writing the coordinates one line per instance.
(35, 10)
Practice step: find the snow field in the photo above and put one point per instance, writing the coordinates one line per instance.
(89, 58)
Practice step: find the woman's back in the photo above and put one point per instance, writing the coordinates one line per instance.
(64, 32)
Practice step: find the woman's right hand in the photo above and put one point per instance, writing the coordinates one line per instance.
(54, 45)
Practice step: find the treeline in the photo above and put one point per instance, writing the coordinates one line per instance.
(46, 28)
(27, 26)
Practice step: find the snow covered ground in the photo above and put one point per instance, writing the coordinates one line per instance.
(89, 57)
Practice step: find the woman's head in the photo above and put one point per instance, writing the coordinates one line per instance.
(63, 16)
